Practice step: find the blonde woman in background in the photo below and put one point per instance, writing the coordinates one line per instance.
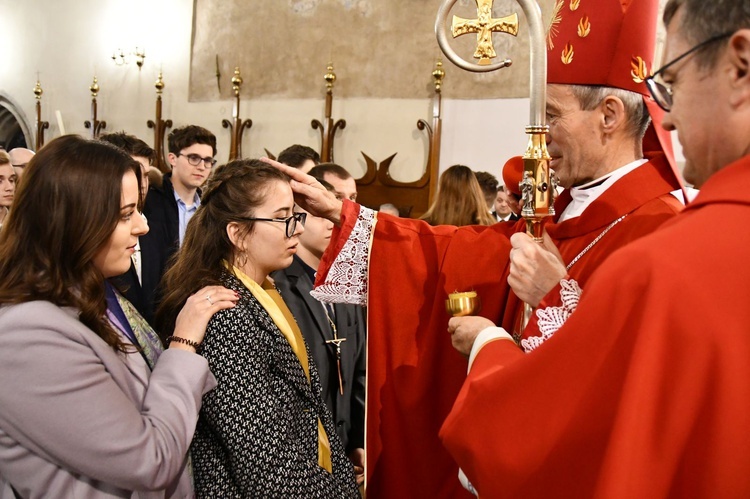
(459, 200)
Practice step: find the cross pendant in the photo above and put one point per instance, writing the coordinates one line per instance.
(337, 343)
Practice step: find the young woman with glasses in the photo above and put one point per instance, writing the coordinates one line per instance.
(265, 431)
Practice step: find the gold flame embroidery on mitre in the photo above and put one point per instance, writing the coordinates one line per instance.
(556, 18)
(584, 27)
(638, 71)
(567, 54)
(574, 5)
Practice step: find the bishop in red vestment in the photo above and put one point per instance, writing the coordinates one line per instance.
(403, 269)
(644, 391)
(406, 269)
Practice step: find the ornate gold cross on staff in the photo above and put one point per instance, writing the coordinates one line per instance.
(538, 185)
(484, 25)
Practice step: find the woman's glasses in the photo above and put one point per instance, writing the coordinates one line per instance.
(291, 222)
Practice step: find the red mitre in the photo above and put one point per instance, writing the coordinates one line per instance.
(612, 43)
(513, 174)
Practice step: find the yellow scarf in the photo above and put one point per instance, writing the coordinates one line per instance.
(271, 300)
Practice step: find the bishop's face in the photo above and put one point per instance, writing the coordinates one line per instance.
(574, 140)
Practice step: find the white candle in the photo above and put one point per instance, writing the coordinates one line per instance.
(60, 122)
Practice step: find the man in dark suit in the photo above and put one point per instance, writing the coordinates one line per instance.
(335, 336)
(492, 195)
(170, 207)
(502, 211)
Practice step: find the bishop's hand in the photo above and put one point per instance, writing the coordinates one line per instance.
(535, 269)
(310, 194)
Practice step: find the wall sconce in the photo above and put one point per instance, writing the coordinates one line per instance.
(120, 57)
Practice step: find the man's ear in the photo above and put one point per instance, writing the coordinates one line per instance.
(738, 54)
(613, 113)
(172, 159)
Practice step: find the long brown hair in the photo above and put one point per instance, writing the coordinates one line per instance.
(459, 200)
(63, 214)
(233, 191)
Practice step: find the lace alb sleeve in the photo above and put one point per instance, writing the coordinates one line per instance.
(346, 281)
(551, 319)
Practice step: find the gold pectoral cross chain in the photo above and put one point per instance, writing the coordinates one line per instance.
(336, 341)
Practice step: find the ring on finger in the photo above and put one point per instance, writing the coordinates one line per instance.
(208, 297)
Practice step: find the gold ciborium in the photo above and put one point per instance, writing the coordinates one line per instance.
(460, 304)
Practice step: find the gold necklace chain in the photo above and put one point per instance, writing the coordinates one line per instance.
(592, 243)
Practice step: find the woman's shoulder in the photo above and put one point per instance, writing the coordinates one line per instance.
(41, 318)
(37, 312)
(228, 280)
(247, 317)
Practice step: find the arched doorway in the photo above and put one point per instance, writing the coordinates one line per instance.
(14, 130)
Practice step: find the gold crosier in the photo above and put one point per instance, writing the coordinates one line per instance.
(484, 25)
(539, 183)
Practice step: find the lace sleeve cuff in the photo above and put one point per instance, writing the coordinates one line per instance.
(346, 280)
(550, 319)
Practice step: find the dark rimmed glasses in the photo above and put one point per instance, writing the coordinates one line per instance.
(291, 222)
(662, 92)
(196, 160)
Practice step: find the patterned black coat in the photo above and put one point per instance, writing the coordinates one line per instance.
(348, 409)
(257, 434)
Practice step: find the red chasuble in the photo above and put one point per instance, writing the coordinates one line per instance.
(413, 372)
(645, 392)
(643, 196)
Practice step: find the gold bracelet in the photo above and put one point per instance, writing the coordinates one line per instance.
(185, 341)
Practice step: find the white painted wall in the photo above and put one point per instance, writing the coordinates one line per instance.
(67, 42)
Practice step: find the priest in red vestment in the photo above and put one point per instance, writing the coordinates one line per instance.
(644, 391)
(403, 270)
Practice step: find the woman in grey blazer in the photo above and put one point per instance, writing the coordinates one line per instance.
(86, 411)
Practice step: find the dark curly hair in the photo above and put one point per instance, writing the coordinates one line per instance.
(63, 214)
